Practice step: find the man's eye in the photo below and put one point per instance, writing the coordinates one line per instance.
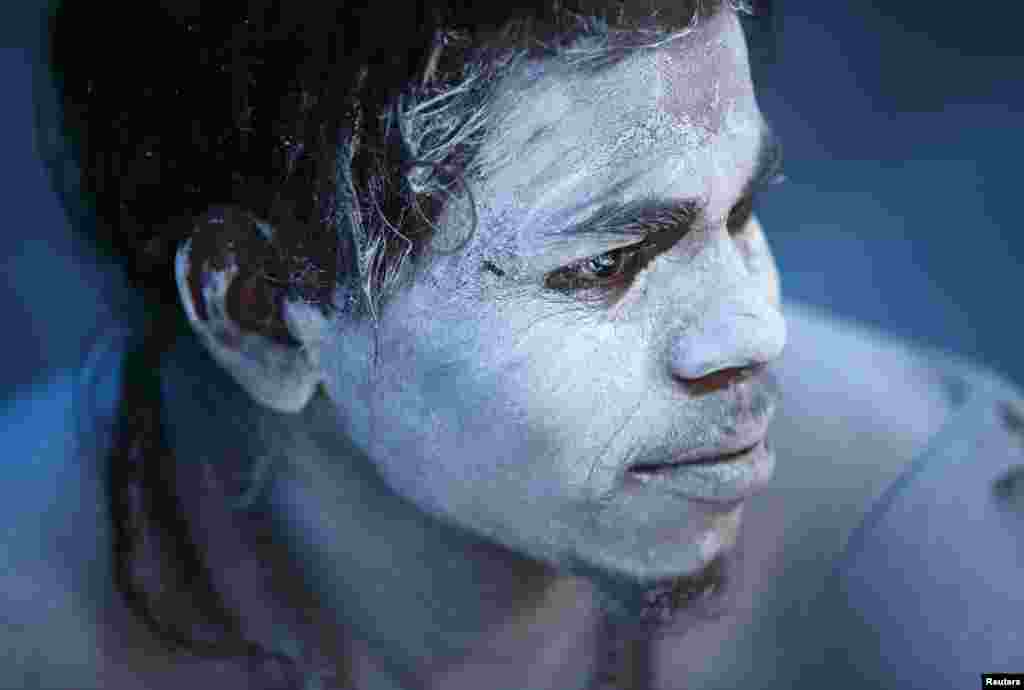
(605, 266)
(604, 271)
(740, 214)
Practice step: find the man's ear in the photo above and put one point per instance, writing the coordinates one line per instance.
(268, 343)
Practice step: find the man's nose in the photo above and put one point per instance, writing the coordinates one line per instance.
(734, 332)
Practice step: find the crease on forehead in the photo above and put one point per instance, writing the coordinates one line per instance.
(561, 138)
(537, 101)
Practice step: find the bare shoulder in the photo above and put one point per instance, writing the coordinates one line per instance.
(961, 506)
(857, 407)
(879, 444)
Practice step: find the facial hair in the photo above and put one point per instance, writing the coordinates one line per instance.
(669, 606)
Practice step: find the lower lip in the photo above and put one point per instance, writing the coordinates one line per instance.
(724, 481)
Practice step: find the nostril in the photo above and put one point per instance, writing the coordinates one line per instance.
(717, 380)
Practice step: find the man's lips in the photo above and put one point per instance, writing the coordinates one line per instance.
(735, 460)
(702, 456)
(749, 434)
(712, 478)
(746, 408)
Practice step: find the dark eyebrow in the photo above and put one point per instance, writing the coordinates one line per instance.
(652, 216)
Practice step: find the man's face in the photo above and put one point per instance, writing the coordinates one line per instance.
(520, 380)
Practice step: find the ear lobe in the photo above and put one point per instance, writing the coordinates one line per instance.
(269, 345)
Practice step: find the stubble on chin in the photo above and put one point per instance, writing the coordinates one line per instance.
(670, 606)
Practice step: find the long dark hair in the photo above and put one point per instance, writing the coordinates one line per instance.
(165, 109)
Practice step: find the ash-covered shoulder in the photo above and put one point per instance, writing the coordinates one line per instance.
(893, 524)
(953, 521)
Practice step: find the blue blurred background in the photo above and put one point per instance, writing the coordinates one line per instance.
(903, 143)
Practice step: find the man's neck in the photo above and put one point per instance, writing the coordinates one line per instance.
(435, 606)
(553, 646)
(429, 605)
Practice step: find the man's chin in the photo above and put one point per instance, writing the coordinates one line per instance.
(668, 605)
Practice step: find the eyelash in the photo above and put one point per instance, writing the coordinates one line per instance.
(628, 261)
(625, 265)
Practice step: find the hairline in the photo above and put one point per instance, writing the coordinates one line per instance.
(614, 47)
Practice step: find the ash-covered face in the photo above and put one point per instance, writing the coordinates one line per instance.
(528, 386)
(567, 384)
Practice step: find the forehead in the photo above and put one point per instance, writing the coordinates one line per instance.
(679, 121)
